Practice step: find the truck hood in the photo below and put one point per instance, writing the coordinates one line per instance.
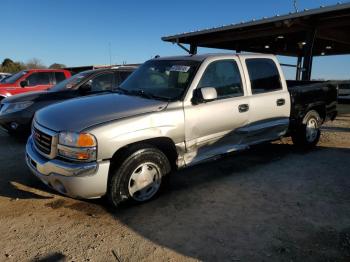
(78, 114)
(29, 96)
(6, 85)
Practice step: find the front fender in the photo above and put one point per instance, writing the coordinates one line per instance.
(113, 136)
(106, 149)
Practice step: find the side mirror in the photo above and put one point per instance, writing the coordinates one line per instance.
(86, 87)
(203, 95)
(23, 83)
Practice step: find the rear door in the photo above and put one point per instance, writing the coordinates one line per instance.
(269, 99)
(59, 77)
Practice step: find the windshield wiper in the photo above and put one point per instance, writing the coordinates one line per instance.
(142, 93)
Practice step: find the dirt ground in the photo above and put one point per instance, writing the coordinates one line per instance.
(270, 203)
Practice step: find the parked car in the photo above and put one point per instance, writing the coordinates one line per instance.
(3, 76)
(171, 113)
(31, 80)
(17, 112)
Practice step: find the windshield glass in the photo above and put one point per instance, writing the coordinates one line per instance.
(162, 79)
(70, 83)
(12, 79)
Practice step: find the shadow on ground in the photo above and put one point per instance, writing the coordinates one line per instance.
(16, 180)
(270, 203)
(55, 257)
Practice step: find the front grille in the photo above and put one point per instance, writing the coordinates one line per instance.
(42, 141)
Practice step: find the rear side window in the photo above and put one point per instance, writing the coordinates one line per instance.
(123, 75)
(264, 75)
(59, 77)
(39, 79)
(225, 77)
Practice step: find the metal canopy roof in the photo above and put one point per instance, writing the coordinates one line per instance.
(322, 31)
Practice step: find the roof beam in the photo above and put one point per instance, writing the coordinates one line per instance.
(236, 36)
(335, 36)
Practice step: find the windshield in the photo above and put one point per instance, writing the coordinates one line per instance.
(70, 83)
(12, 79)
(162, 79)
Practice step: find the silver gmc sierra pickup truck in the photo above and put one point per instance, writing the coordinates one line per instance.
(171, 113)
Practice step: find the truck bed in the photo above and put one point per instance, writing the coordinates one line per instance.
(318, 95)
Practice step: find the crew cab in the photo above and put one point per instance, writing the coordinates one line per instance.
(17, 112)
(171, 113)
(31, 80)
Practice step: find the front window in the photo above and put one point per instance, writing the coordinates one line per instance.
(225, 77)
(161, 79)
(37, 79)
(12, 79)
(71, 82)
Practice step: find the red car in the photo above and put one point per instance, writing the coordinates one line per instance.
(31, 80)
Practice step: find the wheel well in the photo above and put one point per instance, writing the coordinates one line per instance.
(164, 144)
(321, 110)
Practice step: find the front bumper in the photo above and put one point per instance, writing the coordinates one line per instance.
(78, 180)
(21, 118)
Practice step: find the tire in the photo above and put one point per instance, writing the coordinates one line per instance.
(137, 175)
(308, 134)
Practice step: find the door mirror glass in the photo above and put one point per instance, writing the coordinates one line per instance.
(23, 83)
(204, 94)
(209, 93)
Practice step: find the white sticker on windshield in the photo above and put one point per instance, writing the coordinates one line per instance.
(180, 68)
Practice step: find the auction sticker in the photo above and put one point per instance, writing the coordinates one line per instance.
(180, 68)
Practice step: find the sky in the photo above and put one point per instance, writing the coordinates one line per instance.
(81, 32)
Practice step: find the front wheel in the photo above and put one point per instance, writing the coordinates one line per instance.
(308, 134)
(138, 175)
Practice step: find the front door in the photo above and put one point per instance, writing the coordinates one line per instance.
(210, 127)
(39, 81)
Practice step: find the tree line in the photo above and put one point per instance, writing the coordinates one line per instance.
(10, 66)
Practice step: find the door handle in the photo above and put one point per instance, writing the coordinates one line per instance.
(280, 102)
(243, 108)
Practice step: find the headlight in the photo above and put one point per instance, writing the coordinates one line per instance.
(8, 108)
(77, 146)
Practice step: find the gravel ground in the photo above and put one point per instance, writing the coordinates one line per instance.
(270, 203)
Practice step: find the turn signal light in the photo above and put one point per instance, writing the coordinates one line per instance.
(86, 140)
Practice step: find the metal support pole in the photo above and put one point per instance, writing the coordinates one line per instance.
(193, 49)
(299, 68)
(308, 57)
(184, 48)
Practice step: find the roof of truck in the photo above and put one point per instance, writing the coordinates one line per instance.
(202, 57)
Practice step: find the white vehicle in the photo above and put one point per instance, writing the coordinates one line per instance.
(170, 113)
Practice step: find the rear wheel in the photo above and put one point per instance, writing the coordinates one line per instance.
(308, 134)
(138, 175)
